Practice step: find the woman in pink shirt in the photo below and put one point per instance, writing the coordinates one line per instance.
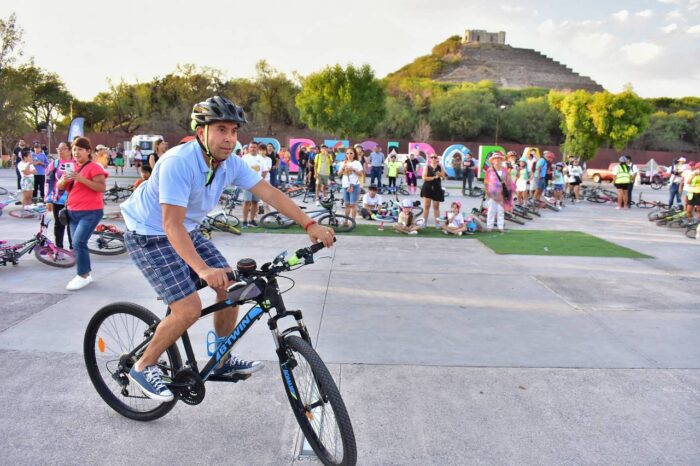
(85, 185)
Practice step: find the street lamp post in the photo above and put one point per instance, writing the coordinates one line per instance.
(498, 121)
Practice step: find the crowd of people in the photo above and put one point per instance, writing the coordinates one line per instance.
(509, 180)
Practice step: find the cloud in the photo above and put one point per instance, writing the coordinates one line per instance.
(670, 28)
(641, 53)
(694, 29)
(594, 45)
(674, 14)
(644, 14)
(513, 8)
(621, 15)
(547, 27)
(670, 2)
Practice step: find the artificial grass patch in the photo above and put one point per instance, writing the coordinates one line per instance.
(555, 243)
(369, 229)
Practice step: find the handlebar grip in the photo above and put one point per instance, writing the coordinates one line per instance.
(314, 248)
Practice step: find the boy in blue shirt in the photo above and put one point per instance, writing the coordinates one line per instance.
(162, 219)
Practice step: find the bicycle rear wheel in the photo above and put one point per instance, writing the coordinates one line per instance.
(691, 232)
(339, 223)
(106, 244)
(3, 191)
(113, 332)
(56, 257)
(275, 220)
(317, 404)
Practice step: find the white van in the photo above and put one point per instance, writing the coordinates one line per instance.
(145, 141)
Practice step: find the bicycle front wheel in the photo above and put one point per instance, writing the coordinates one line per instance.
(339, 223)
(226, 223)
(317, 404)
(113, 333)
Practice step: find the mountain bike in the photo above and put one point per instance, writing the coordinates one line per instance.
(106, 240)
(476, 191)
(44, 249)
(325, 216)
(119, 333)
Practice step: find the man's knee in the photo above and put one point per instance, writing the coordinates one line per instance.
(187, 310)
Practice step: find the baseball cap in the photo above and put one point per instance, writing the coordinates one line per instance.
(101, 147)
(496, 155)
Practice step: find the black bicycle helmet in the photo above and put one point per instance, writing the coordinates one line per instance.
(215, 109)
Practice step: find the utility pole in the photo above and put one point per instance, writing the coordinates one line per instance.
(498, 121)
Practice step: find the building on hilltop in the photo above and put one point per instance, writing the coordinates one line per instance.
(479, 36)
(486, 56)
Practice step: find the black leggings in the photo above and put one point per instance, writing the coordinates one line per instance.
(58, 228)
(392, 181)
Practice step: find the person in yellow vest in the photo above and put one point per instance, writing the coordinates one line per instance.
(623, 180)
(392, 173)
(693, 195)
(322, 169)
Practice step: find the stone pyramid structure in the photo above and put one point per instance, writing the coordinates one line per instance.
(486, 56)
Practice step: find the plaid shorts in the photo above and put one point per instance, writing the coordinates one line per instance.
(164, 269)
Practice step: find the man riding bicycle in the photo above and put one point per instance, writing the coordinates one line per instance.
(163, 240)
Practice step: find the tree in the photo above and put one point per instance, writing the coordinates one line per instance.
(582, 137)
(667, 132)
(531, 121)
(462, 113)
(619, 118)
(47, 95)
(13, 92)
(276, 94)
(400, 119)
(171, 97)
(348, 102)
(129, 105)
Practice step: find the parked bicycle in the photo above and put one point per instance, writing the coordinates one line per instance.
(117, 193)
(324, 216)
(106, 240)
(30, 211)
(220, 222)
(118, 335)
(44, 249)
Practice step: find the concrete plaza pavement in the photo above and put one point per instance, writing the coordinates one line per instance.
(445, 353)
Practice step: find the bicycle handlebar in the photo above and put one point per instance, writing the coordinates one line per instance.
(306, 254)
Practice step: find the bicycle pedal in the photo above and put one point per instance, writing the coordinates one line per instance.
(235, 378)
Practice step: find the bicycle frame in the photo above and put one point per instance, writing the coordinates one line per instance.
(269, 300)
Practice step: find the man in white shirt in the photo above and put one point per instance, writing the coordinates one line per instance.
(250, 202)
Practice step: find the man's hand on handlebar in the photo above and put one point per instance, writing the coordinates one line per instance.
(215, 278)
(319, 233)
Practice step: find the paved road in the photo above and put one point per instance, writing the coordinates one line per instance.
(445, 352)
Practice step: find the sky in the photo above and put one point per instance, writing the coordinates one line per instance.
(652, 44)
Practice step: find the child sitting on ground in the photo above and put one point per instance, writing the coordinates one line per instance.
(454, 223)
(145, 175)
(371, 203)
(406, 223)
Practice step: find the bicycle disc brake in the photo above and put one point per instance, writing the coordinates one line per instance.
(188, 386)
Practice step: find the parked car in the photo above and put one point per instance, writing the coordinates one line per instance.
(599, 175)
(660, 177)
